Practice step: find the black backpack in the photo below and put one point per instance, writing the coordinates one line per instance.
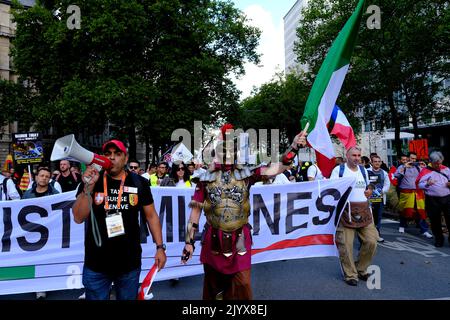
(361, 168)
(5, 189)
(303, 172)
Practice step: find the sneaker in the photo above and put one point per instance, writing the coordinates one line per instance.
(364, 276)
(401, 230)
(41, 295)
(427, 235)
(82, 297)
(380, 240)
(352, 282)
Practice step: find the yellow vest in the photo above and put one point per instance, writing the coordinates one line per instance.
(154, 180)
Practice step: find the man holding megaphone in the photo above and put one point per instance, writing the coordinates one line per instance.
(110, 201)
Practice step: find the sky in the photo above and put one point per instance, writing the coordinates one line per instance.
(267, 15)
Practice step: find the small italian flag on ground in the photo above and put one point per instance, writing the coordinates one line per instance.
(326, 88)
(16, 273)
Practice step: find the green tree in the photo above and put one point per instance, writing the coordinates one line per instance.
(146, 66)
(278, 104)
(404, 56)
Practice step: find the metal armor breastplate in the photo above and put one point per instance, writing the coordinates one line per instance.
(227, 205)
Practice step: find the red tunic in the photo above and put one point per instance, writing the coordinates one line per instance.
(221, 263)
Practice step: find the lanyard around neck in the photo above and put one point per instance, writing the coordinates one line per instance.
(105, 189)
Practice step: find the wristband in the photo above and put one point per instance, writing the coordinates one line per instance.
(289, 156)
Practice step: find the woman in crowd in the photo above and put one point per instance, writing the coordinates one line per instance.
(179, 177)
(435, 181)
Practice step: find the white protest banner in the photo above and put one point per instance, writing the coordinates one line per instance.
(41, 245)
(42, 248)
(297, 220)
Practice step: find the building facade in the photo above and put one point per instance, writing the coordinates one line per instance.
(291, 23)
(7, 31)
(91, 140)
(373, 137)
(381, 140)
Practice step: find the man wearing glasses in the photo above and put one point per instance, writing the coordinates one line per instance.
(161, 173)
(134, 166)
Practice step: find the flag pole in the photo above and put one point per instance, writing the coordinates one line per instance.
(305, 130)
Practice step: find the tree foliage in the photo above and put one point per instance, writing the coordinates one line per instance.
(396, 71)
(278, 104)
(145, 66)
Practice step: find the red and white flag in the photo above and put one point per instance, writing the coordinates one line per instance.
(341, 128)
(391, 176)
(145, 289)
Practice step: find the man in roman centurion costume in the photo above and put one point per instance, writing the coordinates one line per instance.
(223, 194)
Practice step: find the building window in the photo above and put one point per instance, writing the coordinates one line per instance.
(368, 126)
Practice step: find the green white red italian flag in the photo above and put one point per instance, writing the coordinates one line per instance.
(325, 90)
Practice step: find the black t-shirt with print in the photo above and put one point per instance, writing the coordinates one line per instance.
(122, 253)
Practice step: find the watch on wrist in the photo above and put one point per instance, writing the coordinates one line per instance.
(161, 246)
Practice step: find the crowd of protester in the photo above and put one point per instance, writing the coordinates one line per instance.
(418, 200)
(423, 189)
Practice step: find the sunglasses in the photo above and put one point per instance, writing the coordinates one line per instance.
(134, 167)
(180, 169)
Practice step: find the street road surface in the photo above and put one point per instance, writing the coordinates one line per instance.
(410, 267)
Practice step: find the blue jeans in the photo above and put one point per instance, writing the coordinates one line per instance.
(423, 225)
(377, 213)
(98, 285)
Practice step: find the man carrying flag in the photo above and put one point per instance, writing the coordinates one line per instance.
(222, 193)
(322, 115)
(320, 105)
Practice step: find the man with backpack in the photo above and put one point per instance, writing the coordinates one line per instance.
(8, 189)
(314, 173)
(356, 218)
(303, 172)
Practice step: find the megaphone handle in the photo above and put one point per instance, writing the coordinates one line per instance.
(87, 179)
(96, 167)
